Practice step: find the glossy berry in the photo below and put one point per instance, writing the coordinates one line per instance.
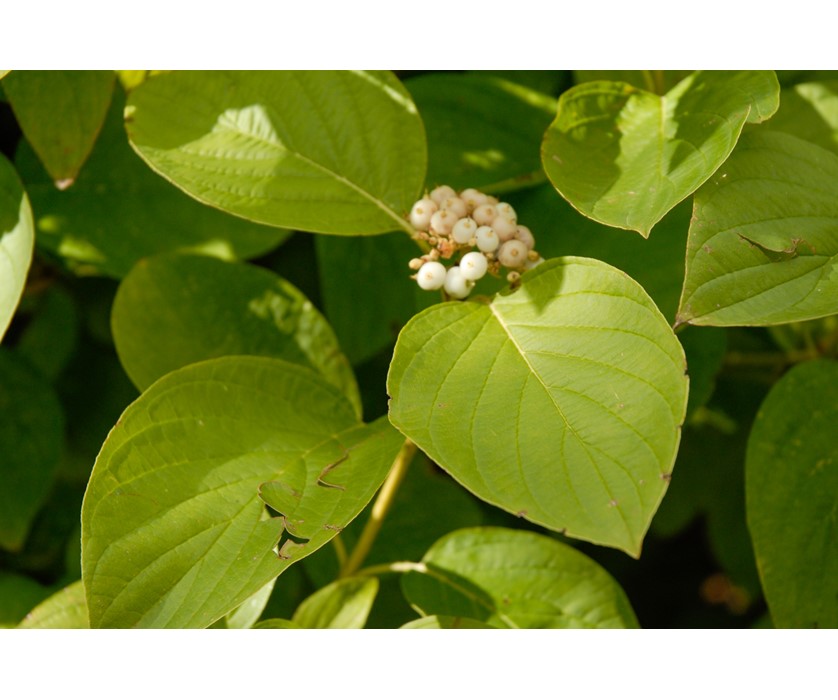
(523, 234)
(443, 221)
(456, 205)
(484, 215)
(441, 193)
(473, 198)
(512, 254)
(431, 275)
(456, 285)
(464, 230)
(473, 266)
(421, 213)
(505, 227)
(487, 239)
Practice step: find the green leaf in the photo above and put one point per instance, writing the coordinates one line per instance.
(343, 604)
(31, 437)
(656, 263)
(66, 609)
(483, 132)
(519, 579)
(560, 402)
(762, 247)
(276, 624)
(705, 350)
(792, 496)
(624, 157)
(18, 595)
(366, 320)
(326, 151)
(119, 211)
(810, 112)
(17, 236)
(174, 529)
(247, 614)
(657, 81)
(446, 622)
(61, 114)
(49, 339)
(172, 310)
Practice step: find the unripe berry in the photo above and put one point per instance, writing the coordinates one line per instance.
(421, 213)
(431, 275)
(512, 254)
(456, 285)
(473, 265)
(464, 230)
(455, 204)
(523, 234)
(505, 227)
(473, 198)
(443, 221)
(484, 215)
(487, 239)
(441, 193)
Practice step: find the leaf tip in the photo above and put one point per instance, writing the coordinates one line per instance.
(64, 183)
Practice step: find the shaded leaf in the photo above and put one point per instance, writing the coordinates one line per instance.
(762, 247)
(483, 131)
(810, 112)
(172, 310)
(325, 151)
(49, 339)
(560, 402)
(18, 595)
(656, 263)
(625, 157)
(343, 604)
(354, 274)
(66, 609)
(174, 529)
(61, 114)
(514, 578)
(119, 211)
(17, 236)
(31, 437)
(792, 496)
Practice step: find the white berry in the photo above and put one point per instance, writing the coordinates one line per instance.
(441, 193)
(512, 254)
(473, 265)
(456, 285)
(455, 204)
(464, 230)
(484, 214)
(421, 213)
(443, 221)
(505, 227)
(523, 234)
(487, 239)
(473, 198)
(505, 209)
(431, 275)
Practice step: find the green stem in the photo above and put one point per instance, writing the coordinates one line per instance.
(768, 359)
(340, 551)
(380, 509)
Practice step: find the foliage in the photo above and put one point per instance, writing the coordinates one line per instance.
(308, 440)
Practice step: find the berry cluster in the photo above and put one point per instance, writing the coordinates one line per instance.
(454, 225)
